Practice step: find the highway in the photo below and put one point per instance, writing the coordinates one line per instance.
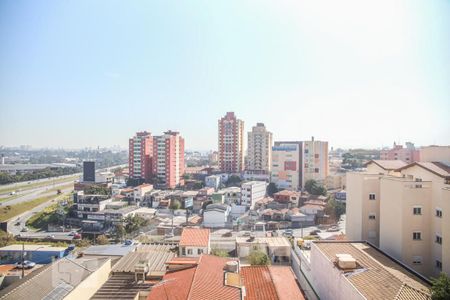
(21, 219)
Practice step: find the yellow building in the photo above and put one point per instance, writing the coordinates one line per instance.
(405, 211)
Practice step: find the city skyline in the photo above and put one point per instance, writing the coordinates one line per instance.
(302, 70)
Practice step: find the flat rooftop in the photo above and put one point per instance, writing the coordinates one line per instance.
(18, 247)
(379, 276)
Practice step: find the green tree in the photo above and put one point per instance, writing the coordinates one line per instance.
(97, 190)
(258, 258)
(271, 189)
(309, 184)
(102, 240)
(6, 238)
(120, 231)
(335, 208)
(440, 289)
(221, 253)
(234, 180)
(198, 185)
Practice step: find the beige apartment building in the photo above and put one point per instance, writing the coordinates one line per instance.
(314, 161)
(405, 210)
(259, 154)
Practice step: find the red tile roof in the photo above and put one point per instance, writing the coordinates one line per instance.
(198, 237)
(208, 280)
(175, 285)
(273, 282)
(258, 283)
(201, 282)
(284, 280)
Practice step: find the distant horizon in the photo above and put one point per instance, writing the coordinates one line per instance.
(356, 74)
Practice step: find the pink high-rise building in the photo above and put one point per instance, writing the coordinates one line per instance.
(140, 156)
(168, 157)
(409, 154)
(231, 144)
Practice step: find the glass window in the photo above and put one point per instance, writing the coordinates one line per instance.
(417, 210)
(417, 235)
(371, 196)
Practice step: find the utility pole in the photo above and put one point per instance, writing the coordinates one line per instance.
(23, 267)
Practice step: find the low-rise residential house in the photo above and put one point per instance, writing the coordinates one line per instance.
(216, 216)
(40, 254)
(70, 279)
(287, 197)
(205, 277)
(218, 197)
(346, 270)
(206, 191)
(232, 195)
(312, 209)
(277, 248)
(213, 181)
(261, 204)
(270, 282)
(297, 218)
(140, 191)
(194, 242)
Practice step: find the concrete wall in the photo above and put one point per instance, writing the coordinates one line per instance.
(328, 281)
(87, 288)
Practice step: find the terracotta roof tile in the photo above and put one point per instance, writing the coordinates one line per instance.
(285, 283)
(208, 280)
(175, 285)
(258, 283)
(198, 237)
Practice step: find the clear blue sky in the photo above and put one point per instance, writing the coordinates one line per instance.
(358, 74)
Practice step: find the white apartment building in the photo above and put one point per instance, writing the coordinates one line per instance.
(216, 216)
(405, 210)
(314, 161)
(286, 165)
(251, 192)
(213, 181)
(259, 152)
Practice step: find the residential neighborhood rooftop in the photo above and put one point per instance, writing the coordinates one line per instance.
(380, 276)
(387, 164)
(198, 237)
(270, 282)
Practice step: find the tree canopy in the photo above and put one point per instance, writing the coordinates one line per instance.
(271, 189)
(258, 258)
(440, 289)
(315, 188)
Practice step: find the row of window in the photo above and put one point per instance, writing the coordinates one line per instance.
(190, 252)
(417, 260)
(417, 210)
(417, 236)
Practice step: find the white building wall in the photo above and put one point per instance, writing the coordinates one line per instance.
(328, 281)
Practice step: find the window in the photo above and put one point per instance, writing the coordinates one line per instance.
(417, 210)
(371, 196)
(438, 213)
(316, 155)
(371, 216)
(189, 251)
(306, 151)
(438, 239)
(316, 170)
(417, 235)
(417, 260)
(183, 251)
(199, 251)
(438, 264)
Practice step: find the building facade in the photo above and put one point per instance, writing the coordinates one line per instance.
(314, 161)
(231, 144)
(409, 154)
(286, 165)
(168, 155)
(259, 145)
(140, 150)
(251, 192)
(405, 211)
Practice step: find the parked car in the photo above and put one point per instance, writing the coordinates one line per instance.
(333, 229)
(77, 236)
(26, 264)
(288, 232)
(128, 242)
(50, 236)
(25, 229)
(314, 232)
(12, 193)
